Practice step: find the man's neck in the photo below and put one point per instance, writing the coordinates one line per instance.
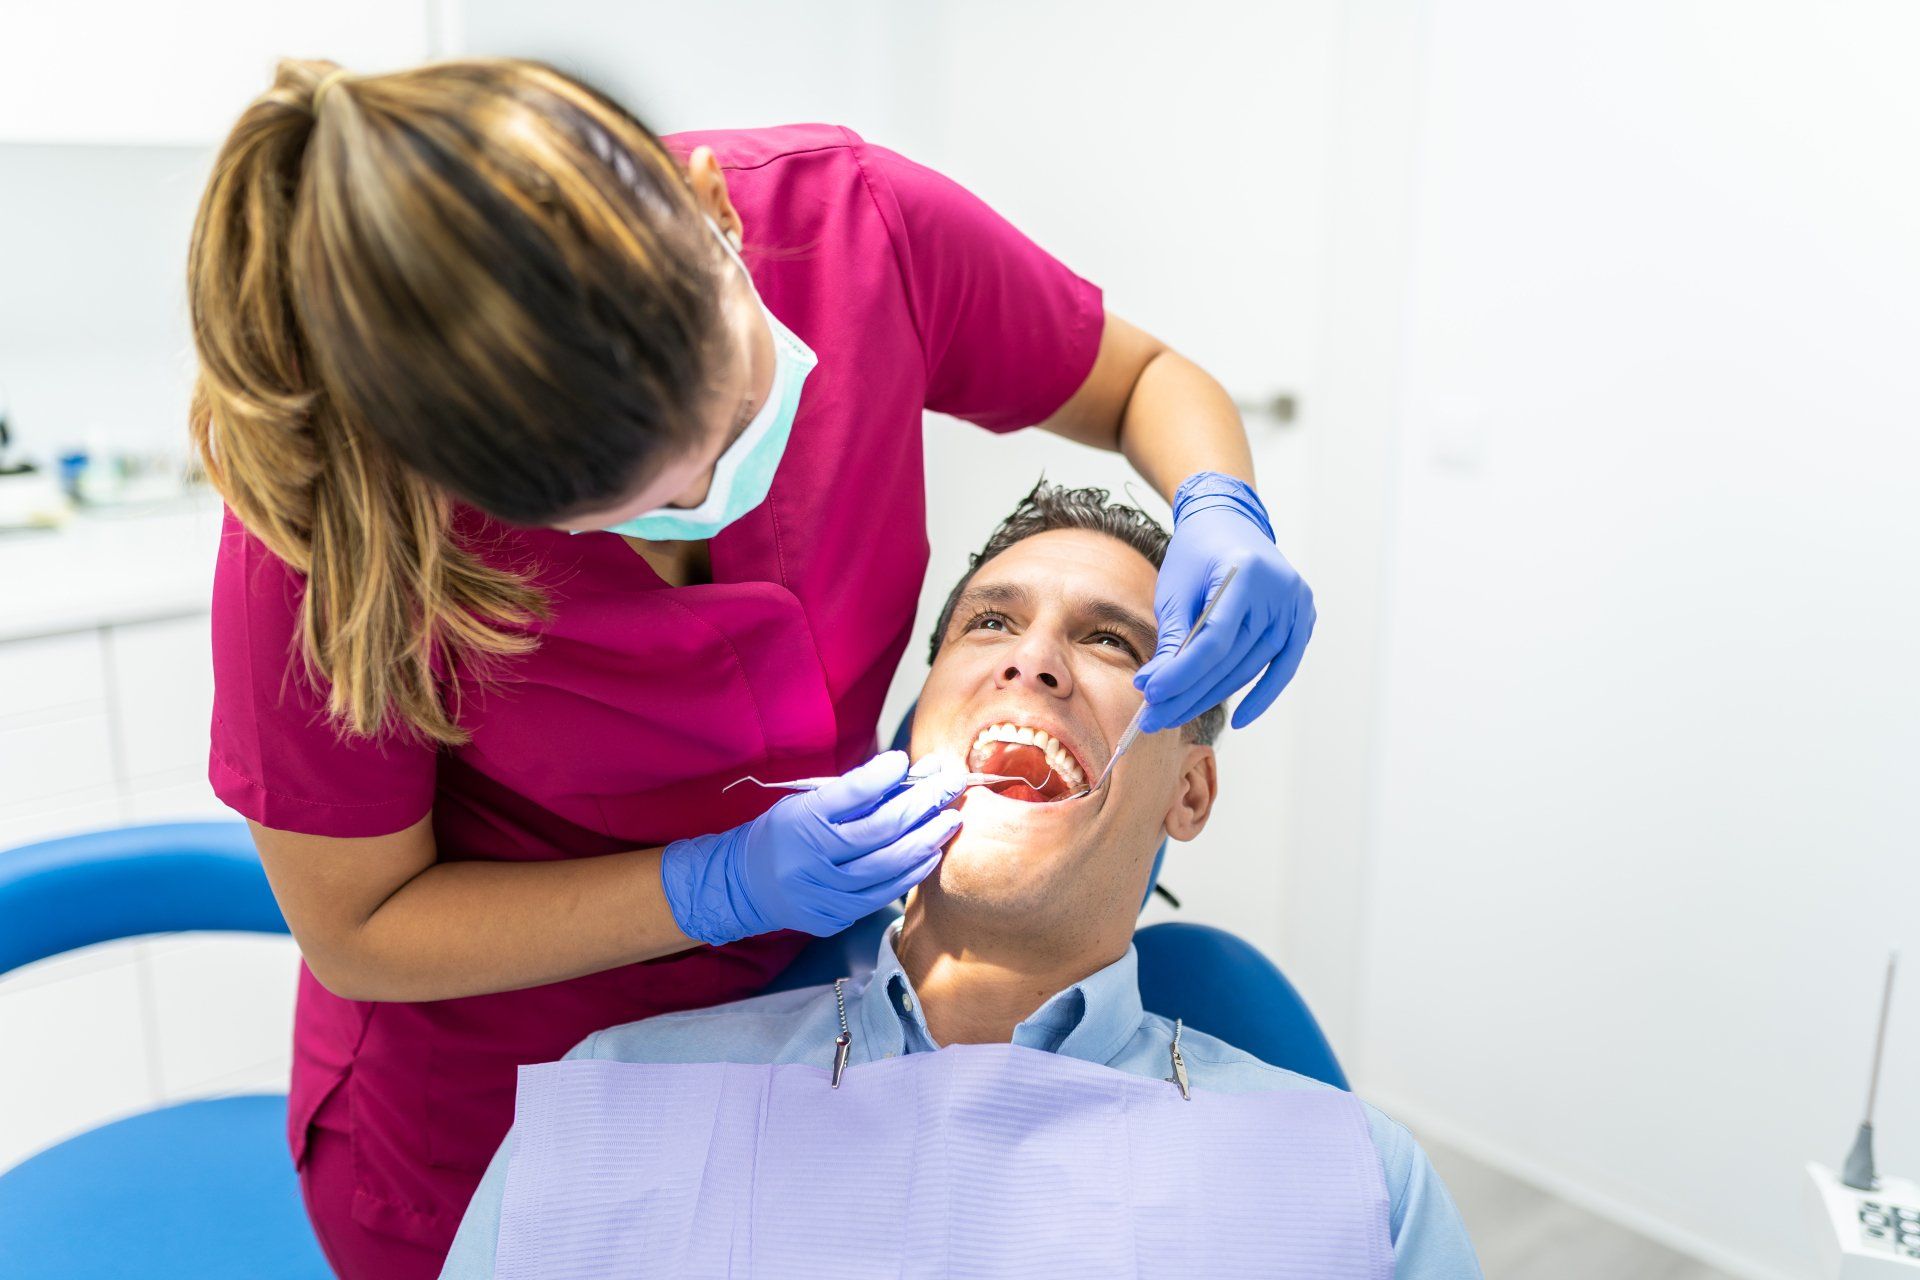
(975, 987)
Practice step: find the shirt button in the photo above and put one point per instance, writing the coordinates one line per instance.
(906, 1003)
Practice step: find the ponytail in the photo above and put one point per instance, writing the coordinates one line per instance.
(393, 601)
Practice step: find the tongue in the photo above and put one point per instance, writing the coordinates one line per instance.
(1026, 761)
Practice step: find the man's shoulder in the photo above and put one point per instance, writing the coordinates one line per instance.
(756, 1029)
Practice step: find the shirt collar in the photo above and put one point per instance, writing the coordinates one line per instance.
(1093, 1019)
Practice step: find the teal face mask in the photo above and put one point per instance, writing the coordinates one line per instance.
(744, 473)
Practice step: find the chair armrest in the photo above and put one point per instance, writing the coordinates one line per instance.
(58, 895)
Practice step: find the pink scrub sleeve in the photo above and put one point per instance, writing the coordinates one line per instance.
(1008, 333)
(275, 758)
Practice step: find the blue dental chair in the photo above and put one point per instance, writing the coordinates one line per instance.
(201, 1189)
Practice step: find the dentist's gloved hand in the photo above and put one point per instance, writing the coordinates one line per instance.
(817, 861)
(1262, 624)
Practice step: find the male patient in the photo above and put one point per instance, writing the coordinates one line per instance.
(1023, 933)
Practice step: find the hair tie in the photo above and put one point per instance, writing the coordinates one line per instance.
(326, 82)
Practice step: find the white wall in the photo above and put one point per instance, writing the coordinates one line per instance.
(124, 72)
(94, 344)
(1644, 801)
(109, 116)
(722, 66)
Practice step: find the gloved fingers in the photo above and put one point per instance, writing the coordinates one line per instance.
(1219, 644)
(1173, 613)
(900, 885)
(821, 924)
(897, 817)
(882, 867)
(1259, 659)
(1280, 674)
(1177, 704)
(888, 890)
(860, 789)
(1172, 629)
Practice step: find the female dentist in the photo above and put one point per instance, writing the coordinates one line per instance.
(450, 317)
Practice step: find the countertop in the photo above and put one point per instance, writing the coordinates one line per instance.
(108, 567)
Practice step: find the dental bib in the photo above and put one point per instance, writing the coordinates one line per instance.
(978, 1161)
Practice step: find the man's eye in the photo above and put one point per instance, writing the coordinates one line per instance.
(1115, 641)
(986, 622)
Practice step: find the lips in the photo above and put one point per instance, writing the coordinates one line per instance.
(1050, 769)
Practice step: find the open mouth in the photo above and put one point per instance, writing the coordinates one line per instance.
(1048, 769)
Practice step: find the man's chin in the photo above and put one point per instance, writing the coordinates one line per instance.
(1006, 847)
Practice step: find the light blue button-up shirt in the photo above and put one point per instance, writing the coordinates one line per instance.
(1099, 1019)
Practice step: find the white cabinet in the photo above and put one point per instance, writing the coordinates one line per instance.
(105, 726)
(48, 673)
(123, 72)
(161, 678)
(56, 747)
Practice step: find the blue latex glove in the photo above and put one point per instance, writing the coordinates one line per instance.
(816, 861)
(1262, 624)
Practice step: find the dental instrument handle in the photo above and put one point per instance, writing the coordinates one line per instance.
(1880, 1035)
(814, 784)
(1127, 736)
(1858, 1171)
(1132, 730)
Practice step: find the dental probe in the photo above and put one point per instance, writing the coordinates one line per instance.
(814, 784)
(1132, 730)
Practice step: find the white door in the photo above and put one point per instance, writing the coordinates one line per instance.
(1644, 797)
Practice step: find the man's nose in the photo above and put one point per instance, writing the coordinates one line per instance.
(1039, 665)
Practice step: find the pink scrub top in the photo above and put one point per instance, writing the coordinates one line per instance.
(644, 700)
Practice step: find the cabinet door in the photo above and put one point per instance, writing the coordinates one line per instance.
(49, 674)
(162, 680)
(56, 753)
(128, 73)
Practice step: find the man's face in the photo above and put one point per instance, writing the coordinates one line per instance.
(1035, 677)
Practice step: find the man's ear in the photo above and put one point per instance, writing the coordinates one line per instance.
(709, 183)
(1193, 794)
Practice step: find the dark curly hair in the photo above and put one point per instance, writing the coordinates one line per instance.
(1051, 506)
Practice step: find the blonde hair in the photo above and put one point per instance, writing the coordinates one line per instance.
(476, 281)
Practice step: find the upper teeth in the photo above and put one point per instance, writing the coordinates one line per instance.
(1059, 759)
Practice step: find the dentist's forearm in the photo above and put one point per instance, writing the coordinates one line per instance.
(471, 928)
(1179, 420)
(1165, 413)
(385, 918)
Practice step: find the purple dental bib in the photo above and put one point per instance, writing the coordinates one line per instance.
(976, 1161)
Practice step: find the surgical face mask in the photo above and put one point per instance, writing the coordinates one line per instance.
(744, 473)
